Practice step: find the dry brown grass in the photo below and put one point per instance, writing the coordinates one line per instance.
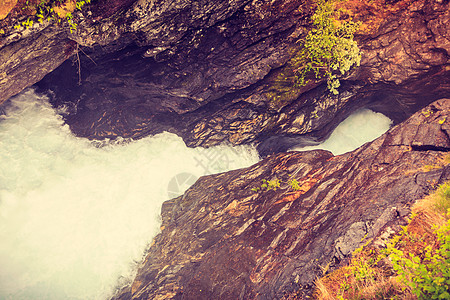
(369, 275)
(363, 278)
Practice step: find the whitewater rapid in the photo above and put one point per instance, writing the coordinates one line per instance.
(359, 128)
(75, 217)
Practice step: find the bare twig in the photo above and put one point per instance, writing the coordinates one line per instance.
(79, 65)
(88, 56)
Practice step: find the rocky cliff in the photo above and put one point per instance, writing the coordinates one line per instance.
(222, 71)
(215, 71)
(229, 237)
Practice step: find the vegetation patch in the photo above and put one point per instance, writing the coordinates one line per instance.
(363, 278)
(327, 52)
(415, 264)
(329, 48)
(26, 13)
(275, 183)
(423, 265)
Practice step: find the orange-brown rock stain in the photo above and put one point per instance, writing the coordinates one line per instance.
(306, 184)
(136, 286)
(237, 208)
(372, 14)
(5, 7)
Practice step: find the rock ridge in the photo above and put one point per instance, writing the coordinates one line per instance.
(210, 71)
(229, 238)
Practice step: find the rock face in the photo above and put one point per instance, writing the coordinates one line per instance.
(211, 71)
(223, 240)
(215, 71)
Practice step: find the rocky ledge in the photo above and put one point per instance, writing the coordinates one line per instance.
(229, 237)
(215, 71)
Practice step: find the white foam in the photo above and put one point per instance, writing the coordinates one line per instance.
(74, 218)
(361, 127)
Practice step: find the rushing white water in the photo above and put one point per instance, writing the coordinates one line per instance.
(75, 218)
(359, 128)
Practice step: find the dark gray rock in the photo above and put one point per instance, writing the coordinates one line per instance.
(223, 240)
(210, 71)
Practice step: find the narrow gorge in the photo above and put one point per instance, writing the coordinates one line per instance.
(98, 101)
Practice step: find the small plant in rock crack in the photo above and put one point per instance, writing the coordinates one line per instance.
(82, 3)
(275, 184)
(27, 24)
(69, 17)
(294, 184)
(268, 185)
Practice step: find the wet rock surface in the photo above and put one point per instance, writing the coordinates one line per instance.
(228, 237)
(194, 59)
(210, 71)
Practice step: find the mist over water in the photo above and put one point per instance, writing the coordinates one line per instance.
(359, 128)
(74, 217)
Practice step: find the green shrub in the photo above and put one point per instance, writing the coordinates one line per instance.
(328, 49)
(294, 184)
(419, 255)
(428, 275)
(429, 278)
(273, 184)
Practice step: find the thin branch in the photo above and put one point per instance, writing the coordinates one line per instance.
(79, 65)
(88, 56)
